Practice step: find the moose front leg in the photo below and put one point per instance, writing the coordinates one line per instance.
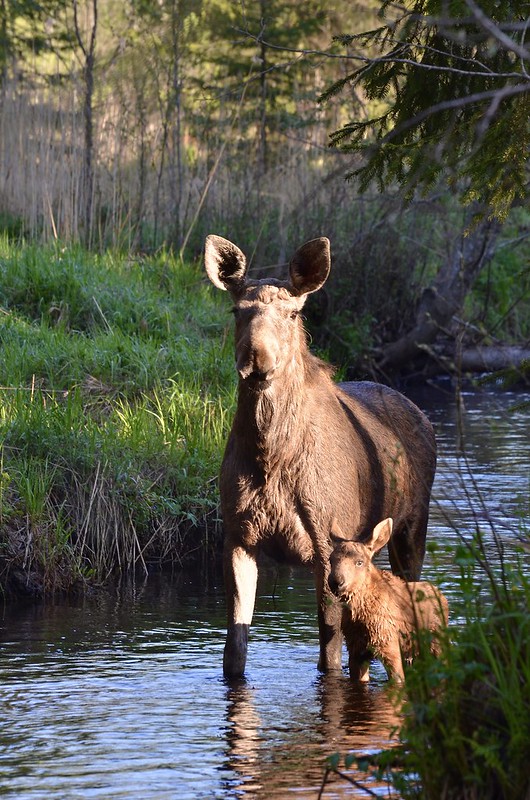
(329, 628)
(240, 576)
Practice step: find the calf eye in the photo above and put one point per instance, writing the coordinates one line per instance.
(294, 314)
(359, 563)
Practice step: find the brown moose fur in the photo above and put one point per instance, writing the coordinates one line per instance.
(382, 613)
(303, 449)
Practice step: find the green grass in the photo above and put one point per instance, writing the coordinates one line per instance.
(116, 387)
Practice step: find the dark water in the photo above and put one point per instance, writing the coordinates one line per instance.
(122, 697)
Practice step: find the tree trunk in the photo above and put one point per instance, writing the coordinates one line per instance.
(444, 298)
(263, 148)
(494, 359)
(88, 51)
(176, 164)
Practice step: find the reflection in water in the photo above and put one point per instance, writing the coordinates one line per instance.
(243, 736)
(343, 717)
(122, 695)
(483, 477)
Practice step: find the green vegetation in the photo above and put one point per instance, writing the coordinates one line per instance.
(450, 97)
(116, 381)
(139, 125)
(466, 724)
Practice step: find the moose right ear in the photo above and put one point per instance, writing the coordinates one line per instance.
(225, 264)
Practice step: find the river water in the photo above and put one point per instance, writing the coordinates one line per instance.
(121, 696)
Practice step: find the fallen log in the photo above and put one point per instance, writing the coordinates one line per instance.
(494, 358)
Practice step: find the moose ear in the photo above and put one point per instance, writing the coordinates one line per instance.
(381, 534)
(335, 533)
(310, 265)
(225, 264)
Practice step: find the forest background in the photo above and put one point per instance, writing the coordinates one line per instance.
(139, 125)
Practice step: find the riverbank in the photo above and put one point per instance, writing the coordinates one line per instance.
(116, 384)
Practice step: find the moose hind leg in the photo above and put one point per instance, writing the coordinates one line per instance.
(240, 575)
(393, 662)
(359, 666)
(406, 549)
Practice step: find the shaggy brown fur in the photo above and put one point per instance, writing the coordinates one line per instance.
(382, 613)
(303, 449)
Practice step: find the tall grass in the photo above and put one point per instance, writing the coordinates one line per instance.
(116, 386)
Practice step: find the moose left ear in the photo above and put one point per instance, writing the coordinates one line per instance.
(310, 265)
(335, 533)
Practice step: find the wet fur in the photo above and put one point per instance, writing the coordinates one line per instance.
(381, 612)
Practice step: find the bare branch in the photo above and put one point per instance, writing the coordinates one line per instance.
(487, 24)
(78, 31)
(94, 26)
(390, 59)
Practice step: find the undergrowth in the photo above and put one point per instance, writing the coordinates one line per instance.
(116, 385)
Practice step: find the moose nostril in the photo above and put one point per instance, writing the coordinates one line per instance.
(258, 375)
(333, 584)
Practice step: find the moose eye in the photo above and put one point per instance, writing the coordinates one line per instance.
(359, 563)
(294, 314)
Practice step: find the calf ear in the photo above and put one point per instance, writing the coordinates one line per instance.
(335, 533)
(310, 265)
(225, 264)
(381, 534)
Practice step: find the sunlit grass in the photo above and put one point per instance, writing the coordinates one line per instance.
(116, 389)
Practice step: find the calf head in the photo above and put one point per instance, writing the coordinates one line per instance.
(351, 562)
(269, 332)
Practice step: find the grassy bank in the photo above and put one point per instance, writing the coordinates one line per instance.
(116, 380)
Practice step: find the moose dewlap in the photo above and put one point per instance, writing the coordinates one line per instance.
(382, 614)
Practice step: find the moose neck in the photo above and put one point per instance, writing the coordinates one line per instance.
(276, 416)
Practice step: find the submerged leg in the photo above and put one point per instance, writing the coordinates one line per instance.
(240, 575)
(329, 618)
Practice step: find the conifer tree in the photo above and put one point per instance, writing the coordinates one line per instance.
(449, 91)
(255, 46)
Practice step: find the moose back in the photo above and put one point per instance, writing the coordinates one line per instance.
(304, 450)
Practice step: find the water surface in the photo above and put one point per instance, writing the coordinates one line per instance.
(122, 695)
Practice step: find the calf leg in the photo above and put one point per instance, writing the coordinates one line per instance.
(359, 667)
(393, 663)
(240, 576)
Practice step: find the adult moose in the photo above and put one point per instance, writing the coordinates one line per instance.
(304, 450)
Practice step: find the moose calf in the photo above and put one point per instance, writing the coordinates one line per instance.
(381, 612)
